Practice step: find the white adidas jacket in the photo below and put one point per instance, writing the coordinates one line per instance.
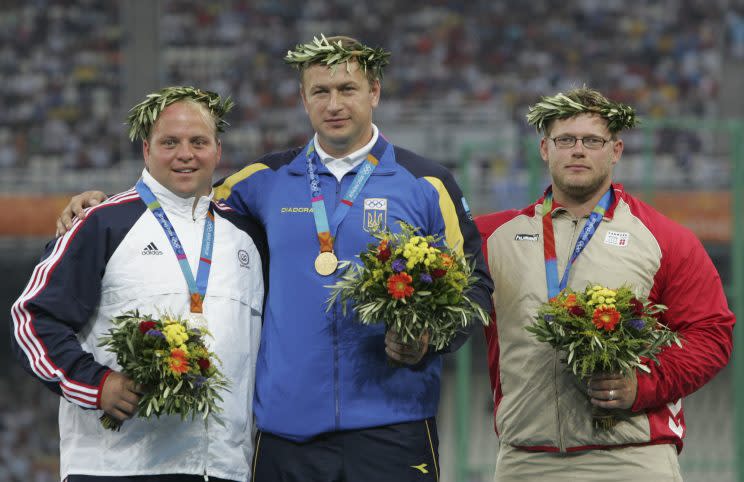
(119, 259)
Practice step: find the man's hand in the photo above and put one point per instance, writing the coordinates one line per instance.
(612, 390)
(75, 209)
(120, 396)
(406, 353)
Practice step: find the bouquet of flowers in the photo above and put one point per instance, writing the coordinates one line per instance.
(603, 330)
(169, 357)
(412, 283)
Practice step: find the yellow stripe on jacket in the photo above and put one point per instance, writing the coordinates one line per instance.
(224, 190)
(452, 234)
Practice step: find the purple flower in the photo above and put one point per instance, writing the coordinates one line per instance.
(549, 318)
(425, 278)
(636, 324)
(398, 265)
(156, 333)
(197, 380)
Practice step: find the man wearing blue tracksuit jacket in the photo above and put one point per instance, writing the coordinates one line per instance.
(328, 406)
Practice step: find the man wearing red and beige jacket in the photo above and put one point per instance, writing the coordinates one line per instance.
(543, 413)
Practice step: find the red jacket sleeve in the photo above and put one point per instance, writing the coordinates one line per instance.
(689, 285)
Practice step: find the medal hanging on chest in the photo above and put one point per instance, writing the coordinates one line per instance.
(326, 262)
(197, 286)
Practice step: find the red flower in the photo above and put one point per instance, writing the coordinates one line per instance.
(399, 285)
(606, 318)
(577, 311)
(178, 363)
(438, 272)
(383, 254)
(146, 326)
(203, 364)
(570, 301)
(446, 260)
(637, 306)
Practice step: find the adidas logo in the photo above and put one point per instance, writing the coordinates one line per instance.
(151, 249)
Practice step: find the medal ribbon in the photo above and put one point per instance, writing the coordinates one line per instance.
(198, 286)
(326, 233)
(551, 262)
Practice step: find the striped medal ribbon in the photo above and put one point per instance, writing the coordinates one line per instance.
(326, 262)
(198, 286)
(551, 263)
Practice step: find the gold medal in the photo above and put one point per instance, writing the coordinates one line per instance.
(326, 263)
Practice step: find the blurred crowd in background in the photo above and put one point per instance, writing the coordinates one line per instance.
(60, 62)
(29, 439)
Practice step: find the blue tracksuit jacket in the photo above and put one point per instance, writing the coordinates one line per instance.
(319, 371)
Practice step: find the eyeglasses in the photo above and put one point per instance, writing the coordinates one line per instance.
(590, 142)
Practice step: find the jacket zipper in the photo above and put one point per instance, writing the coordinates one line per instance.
(205, 452)
(557, 361)
(336, 389)
(196, 234)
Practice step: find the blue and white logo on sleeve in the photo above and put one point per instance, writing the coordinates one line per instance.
(466, 207)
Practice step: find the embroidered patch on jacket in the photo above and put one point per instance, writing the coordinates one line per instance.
(466, 207)
(375, 214)
(615, 238)
(527, 237)
(243, 258)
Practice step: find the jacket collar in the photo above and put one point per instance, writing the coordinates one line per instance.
(618, 192)
(299, 163)
(175, 204)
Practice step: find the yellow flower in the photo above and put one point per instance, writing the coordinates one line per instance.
(175, 334)
(601, 297)
(200, 352)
